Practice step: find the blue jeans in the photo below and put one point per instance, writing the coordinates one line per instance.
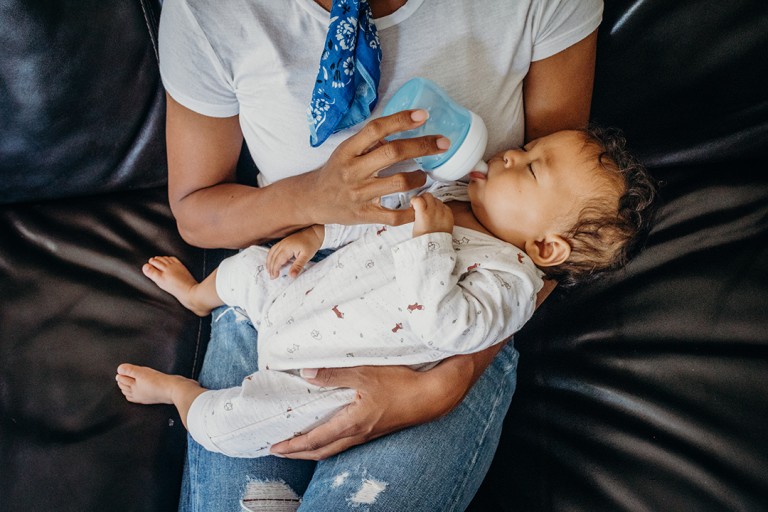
(437, 466)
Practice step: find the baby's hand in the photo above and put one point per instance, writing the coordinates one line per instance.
(432, 215)
(299, 247)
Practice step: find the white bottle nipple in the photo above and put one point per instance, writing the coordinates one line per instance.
(481, 166)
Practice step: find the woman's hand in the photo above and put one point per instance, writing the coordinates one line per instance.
(213, 210)
(346, 190)
(389, 398)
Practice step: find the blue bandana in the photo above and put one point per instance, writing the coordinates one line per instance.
(348, 80)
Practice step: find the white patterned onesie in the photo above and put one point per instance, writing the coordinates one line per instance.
(383, 298)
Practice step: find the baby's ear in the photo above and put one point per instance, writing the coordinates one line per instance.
(550, 251)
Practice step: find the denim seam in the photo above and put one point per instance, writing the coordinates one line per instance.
(458, 489)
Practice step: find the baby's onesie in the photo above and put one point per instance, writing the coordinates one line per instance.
(383, 298)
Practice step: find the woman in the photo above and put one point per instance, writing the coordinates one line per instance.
(246, 68)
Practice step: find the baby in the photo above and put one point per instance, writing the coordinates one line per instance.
(463, 276)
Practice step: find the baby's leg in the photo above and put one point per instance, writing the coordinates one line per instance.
(172, 276)
(144, 385)
(269, 407)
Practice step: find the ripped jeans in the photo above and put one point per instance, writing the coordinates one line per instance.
(437, 466)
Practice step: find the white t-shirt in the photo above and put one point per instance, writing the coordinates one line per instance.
(259, 59)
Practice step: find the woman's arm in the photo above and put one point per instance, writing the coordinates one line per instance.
(557, 91)
(211, 210)
(557, 95)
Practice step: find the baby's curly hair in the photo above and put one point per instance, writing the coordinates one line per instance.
(604, 237)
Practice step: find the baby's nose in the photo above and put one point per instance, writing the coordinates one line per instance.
(510, 156)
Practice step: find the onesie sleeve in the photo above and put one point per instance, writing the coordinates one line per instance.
(338, 235)
(189, 67)
(461, 311)
(559, 24)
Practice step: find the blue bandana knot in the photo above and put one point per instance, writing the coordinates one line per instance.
(346, 88)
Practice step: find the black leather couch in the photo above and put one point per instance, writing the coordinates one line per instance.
(647, 392)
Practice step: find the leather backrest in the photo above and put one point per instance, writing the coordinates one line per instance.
(81, 102)
(646, 391)
(686, 81)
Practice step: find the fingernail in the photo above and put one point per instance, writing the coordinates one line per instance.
(419, 115)
(443, 143)
(308, 373)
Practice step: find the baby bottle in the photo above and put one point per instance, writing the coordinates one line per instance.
(465, 129)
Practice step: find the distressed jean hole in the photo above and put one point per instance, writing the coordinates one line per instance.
(272, 496)
(368, 492)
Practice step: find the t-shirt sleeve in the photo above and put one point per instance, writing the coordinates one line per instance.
(189, 67)
(560, 24)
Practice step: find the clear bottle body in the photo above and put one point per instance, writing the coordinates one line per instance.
(463, 128)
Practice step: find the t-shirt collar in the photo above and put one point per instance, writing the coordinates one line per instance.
(391, 20)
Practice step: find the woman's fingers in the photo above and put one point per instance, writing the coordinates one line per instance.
(349, 185)
(338, 433)
(376, 130)
(332, 437)
(352, 377)
(360, 421)
(389, 398)
(399, 150)
(400, 182)
(376, 153)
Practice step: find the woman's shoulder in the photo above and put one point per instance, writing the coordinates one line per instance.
(224, 16)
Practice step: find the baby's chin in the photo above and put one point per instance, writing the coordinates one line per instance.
(472, 189)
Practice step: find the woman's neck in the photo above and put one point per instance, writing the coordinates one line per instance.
(380, 8)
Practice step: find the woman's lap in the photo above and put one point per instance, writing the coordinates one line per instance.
(435, 466)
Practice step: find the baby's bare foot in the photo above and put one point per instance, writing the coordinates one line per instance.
(172, 276)
(144, 385)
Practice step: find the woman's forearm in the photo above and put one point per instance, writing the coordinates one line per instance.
(234, 216)
(447, 384)
(211, 210)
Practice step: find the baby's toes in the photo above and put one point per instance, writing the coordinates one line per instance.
(159, 262)
(151, 271)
